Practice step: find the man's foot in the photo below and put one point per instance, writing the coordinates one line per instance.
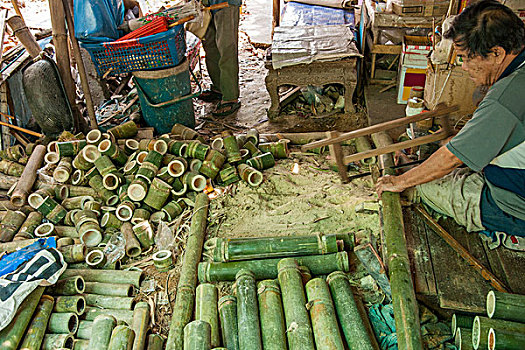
(224, 109)
(210, 96)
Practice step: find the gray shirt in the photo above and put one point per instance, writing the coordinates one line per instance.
(496, 135)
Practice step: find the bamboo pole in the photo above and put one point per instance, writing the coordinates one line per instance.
(506, 306)
(80, 65)
(184, 302)
(23, 34)
(503, 340)
(27, 180)
(482, 326)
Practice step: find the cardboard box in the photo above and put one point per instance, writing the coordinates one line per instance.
(415, 51)
(409, 77)
(422, 9)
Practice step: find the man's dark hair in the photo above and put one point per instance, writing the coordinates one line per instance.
(487, 24)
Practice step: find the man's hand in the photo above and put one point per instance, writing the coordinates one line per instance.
(389, 183)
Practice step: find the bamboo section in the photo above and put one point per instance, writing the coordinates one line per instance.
(273, 331)
(206, 310)
(36, 330)
(502, 340)
(27, 180)
(228, 318)
(247, 313)
(185, 297)
(506, 306)
(482, 326)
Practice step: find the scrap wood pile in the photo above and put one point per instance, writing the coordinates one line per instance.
(98, 198)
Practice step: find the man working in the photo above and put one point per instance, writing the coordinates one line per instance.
(221, 46)
(489, 195)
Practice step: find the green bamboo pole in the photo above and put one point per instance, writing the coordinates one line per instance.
(502, 340)
(110, 289)
(463, 339)
(233, 249)
(106, 276)
(120, 315)
(125, 130)
(81, 344)
(158, 194)
(271, 314)
(299, 333)
(250, 175)
(350, 319)
(34, 335)
(322, 314)
(406, 311)
(155, 342)
(262, 161)
(101, 331)
(122, 338)
(212, 164)
(141, 319)
(62, 323)
(506, 306)
(461, 321)
(267, 268)
(232, 148)
(278, 149)
(206, 309)
(68, 285)
(109, 302)
(482, 325)
(197, 336)
(248, 326)
(84, 330)
(185, 296)
(12, 334)
(73, 303)
(57, 341)
(228, 318)
(197, 150)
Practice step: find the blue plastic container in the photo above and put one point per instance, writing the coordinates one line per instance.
(165, 97)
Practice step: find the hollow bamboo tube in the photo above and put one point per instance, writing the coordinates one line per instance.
(106, 276)
(461, 321)
(322, 314)
(502, 340)
(185, 297)
(197, 336)
(23, 34)
(267, 268)
(110, 289)
(463, 339)
(10, 225)
(11, 335)
(27, 180)
(6, 181)
(122, 338)
(300, 335)
(228, 317)
(273, 331)
(120, 315)
(109, 302)
(133, 248)
(101, 331)
(11, 168)
(27, 229)
(403, 295)
(232, 249)
(350, 319)
(482, 325)
(248, 326)
(57, 341)
(67, 231)
(72, 303)
(506, 306)
(10, 247)
(68, 285)
(81, 344)
(34, 335)
(62, 323)
(206, 309)
(141, 319)
(74, 253)
(84, 330)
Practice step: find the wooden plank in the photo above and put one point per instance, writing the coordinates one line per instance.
(419, 253)
(512, 264)
(386, 49)
(439, 112)
(395, 147)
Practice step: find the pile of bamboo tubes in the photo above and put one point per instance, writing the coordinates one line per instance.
(502, 328)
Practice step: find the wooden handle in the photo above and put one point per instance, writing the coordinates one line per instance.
(217, 6)
(23, 34)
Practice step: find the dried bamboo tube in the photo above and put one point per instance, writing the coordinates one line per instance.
(502, 340)
(27, 230)
(133, 248)
(34, 335)
(206, 309)
(27, 180)
(197, 336)
(62, 323)
(506, 306)
(6, 181)
(10, 225)
(463, 339)
(101, 331)
(109, 301)
(141, 319)
(482, 325)
(122, 338)
(106, 276)
(184, 301)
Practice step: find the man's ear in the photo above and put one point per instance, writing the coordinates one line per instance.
(499, 53)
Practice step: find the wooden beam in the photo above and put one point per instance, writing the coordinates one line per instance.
(396, 147)
(3, 17)
(452, 242)
(336, 152)
(439, 112)
(387, 49)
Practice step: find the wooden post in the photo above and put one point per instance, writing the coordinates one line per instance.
(80, 66)
(336, 152)
(276, 14)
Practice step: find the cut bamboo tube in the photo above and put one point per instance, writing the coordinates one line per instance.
(463, 339)
(502, 340)
(482, 325)
(185, 296)
(506, 306)
(27, 180)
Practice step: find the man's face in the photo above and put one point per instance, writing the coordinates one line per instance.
(484, 71)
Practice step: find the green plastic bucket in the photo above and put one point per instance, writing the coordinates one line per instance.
(165, 97)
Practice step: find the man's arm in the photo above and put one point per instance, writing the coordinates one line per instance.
(439, 164)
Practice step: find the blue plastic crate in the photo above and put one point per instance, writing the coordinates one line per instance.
(158, 51)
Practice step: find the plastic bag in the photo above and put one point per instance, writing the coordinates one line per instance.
(97, 20)
(115, 248)
(164, 240)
